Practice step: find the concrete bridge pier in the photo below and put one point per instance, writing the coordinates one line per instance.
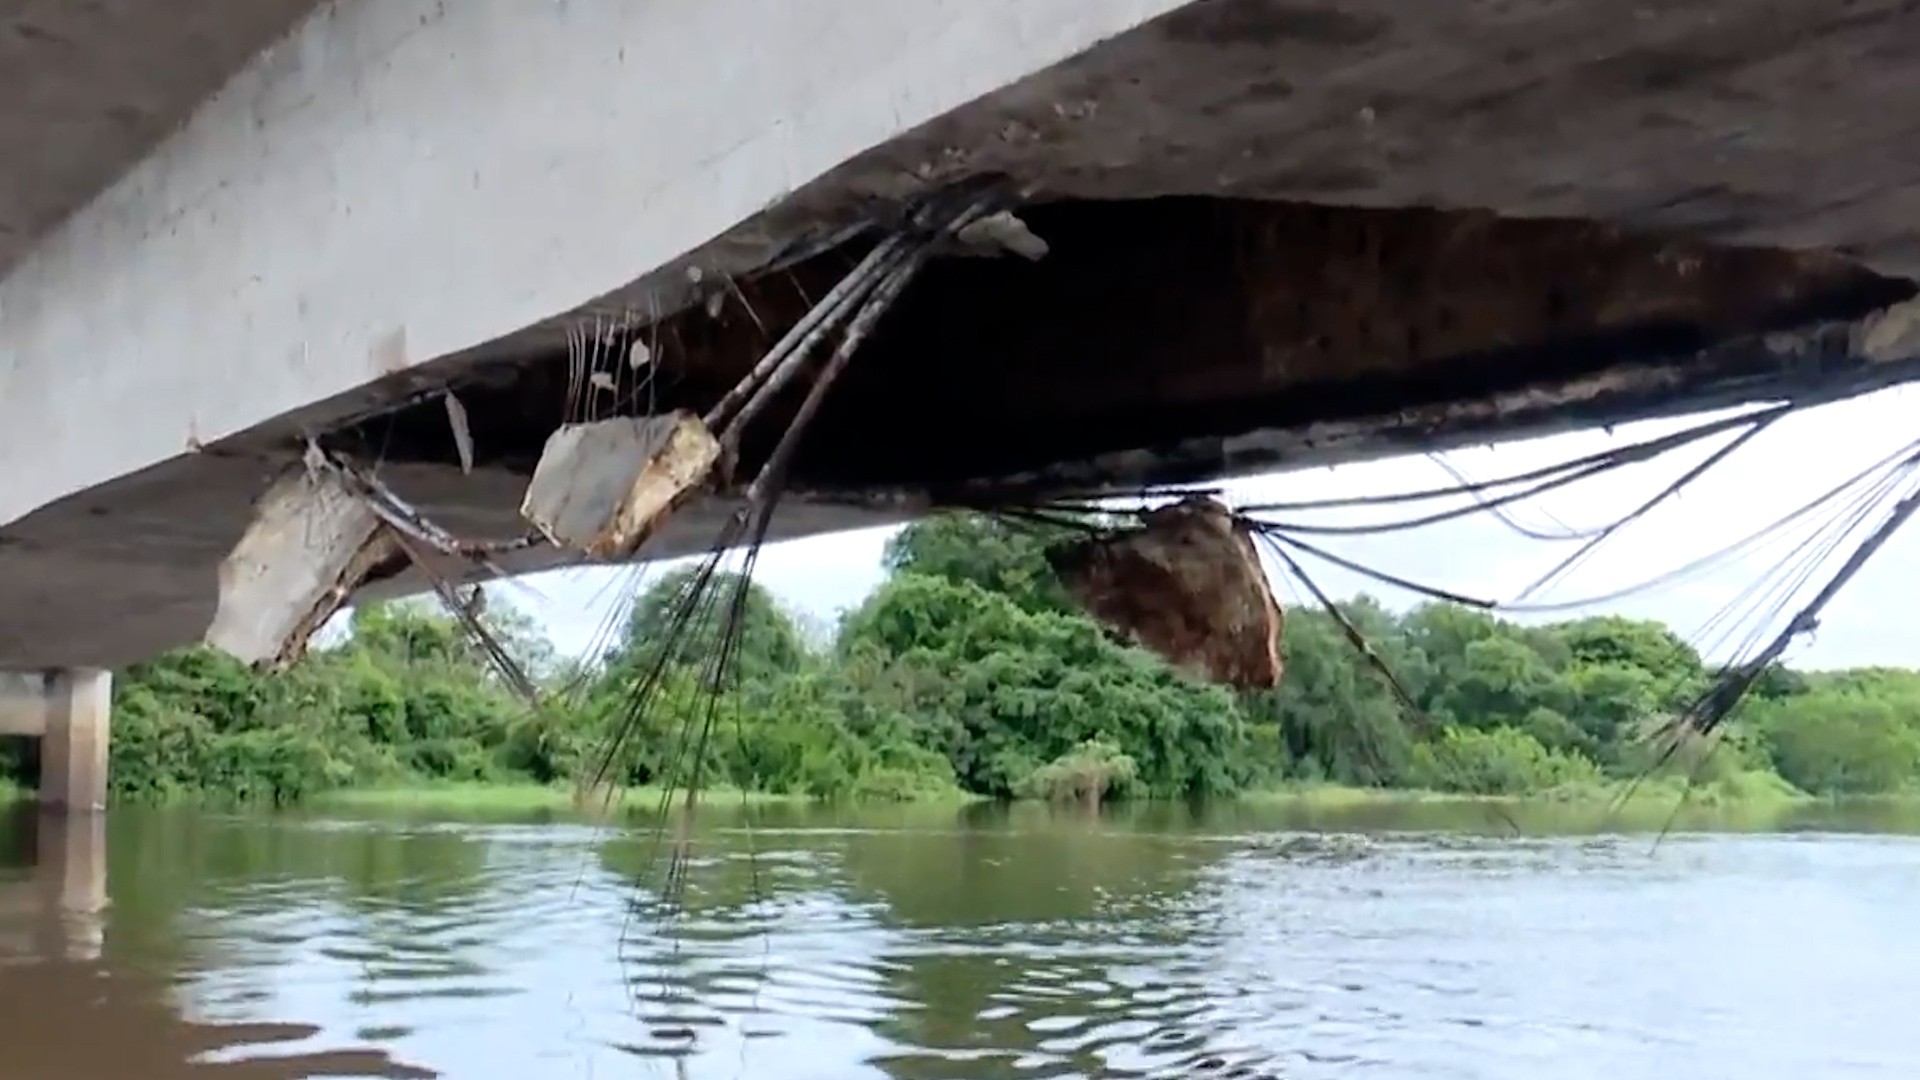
(70, 711)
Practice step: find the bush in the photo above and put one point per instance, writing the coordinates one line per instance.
(1090, 773)
(1840, 742)
(1498, 761)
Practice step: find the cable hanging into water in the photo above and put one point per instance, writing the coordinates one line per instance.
(1422, 723)
(1719, 702)
(1771, 591)
(853, 313)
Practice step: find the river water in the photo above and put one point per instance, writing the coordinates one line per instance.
(1253, 942)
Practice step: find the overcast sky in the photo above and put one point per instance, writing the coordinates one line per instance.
(1793, 461)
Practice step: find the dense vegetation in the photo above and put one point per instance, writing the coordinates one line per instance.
(968, 671)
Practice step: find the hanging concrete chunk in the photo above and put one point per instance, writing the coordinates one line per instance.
(1892, 333)
(602, 488)
(1002, 233)
(1188, 585)
(311, 544)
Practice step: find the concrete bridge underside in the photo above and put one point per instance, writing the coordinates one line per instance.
(1279, 234)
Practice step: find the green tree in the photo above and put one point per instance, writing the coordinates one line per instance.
(1026, 686)
(1002, 558)
(767, 645)
(1841, 742)
(1496, 761)
(1337, 719)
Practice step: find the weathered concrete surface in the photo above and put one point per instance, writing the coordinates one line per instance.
(73, 718)
(90, 88)
(311, 543)
(402, 180)
(23, 704)
(602, 489)
(406, 192)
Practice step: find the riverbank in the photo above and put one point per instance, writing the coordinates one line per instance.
(1750, 792)
(1654, 807)
(1749, 803)
(457, 797)
(1746, 801)
(528, 798)
(1742, 789)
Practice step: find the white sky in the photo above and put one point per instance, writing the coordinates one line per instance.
(1795, 460)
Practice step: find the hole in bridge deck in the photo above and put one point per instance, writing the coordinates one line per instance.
(1155, 322)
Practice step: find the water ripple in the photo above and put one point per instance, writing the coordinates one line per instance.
(315, 949)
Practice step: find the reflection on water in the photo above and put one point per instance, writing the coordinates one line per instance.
(970, 944)
(70, 1009)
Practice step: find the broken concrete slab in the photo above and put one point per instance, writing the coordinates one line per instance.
(313, 541)
(602, 488)
(1187, 584)
(1000, 234)
(1890, 334)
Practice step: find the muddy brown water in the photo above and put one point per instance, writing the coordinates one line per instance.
(1408, 941)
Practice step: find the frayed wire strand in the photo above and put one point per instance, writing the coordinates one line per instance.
(1700, 469)
(1502, 514)
(1610, 458)
(1733, 685)
(1719, 556)
(1434, 592)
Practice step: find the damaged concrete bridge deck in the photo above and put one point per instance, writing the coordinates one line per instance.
(1274, 234)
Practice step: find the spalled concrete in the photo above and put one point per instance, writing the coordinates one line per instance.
(603, 488)
(311, 544)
